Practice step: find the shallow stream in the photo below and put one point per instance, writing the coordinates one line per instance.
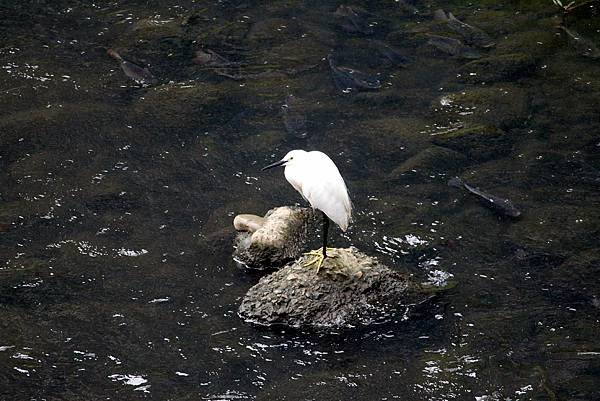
(117, 199)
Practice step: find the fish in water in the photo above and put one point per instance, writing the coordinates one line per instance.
(293, 118)
(470, 34)
(583, 45)
(390, 53)
(140, 75)
(348, 79)
(354, 19)
(210, 58)
(453, 47)
(500, 205)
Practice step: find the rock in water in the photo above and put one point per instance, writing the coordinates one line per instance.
(452, 46)
(350, 289)
(248, 222)
(273, 242)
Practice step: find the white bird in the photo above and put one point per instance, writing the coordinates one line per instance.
(319, 181)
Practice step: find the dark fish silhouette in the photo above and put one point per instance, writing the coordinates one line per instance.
(133, 71)
(500, 205)
(354, 19)
(584, 46)
(210, 58)
(470, 34)
(453, 47)
(348, 79)
(390, 53)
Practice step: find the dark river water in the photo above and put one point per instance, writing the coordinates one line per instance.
(117, 198)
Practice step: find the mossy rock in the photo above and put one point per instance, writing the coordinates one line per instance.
(297, 53)
(570, 226)
(506, 67)
(385, 97)
(479, 142)
(588, 259)
(48, 130)
(505, 106)
(435, 159)
(153, 28)
(174, 105)
(47, 121)
(273, 30)
(392, 136)
(535, 43)
(350, 289)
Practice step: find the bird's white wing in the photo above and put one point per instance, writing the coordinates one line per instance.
(326, 190)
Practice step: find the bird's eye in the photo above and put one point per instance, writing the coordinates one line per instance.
(291, 158)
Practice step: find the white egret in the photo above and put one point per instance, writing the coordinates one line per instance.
(318, 180)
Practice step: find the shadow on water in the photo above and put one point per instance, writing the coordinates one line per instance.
(116, 199)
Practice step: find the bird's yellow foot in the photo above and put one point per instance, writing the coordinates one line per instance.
(318, 258)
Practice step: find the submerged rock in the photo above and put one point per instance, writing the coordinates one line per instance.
(274, 240)
(537, 43)
(273, 31)
(435, 159)
(350, 289)
(479, 142)
(148, 29)
(453, 47)
(505, 106)
(506, 67)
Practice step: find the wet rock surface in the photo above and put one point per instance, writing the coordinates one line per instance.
(350, 289)
(271, 241)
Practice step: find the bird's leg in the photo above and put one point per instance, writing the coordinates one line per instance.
(325, 229)
(317, 259)
(318, 254)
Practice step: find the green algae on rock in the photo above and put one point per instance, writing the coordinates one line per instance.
(435, 159)
(502, 105)
(505, 67)
(479, 142)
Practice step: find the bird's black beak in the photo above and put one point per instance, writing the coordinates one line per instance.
(279, 163)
